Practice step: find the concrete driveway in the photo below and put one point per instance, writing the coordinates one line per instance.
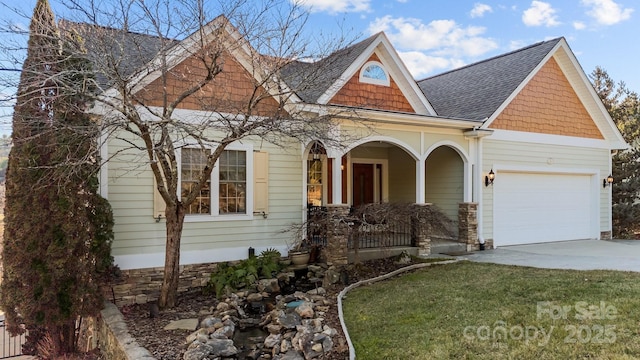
(623, 255)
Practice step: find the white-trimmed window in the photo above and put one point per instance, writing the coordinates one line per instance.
(229, 191)
(374, 72)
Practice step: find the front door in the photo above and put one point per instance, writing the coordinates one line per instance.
(363, 184)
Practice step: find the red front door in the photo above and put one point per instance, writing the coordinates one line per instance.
(363, 175)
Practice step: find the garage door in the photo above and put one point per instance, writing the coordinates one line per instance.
(535, 207)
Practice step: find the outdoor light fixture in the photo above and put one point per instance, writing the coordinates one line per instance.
(608, 181)
(488, 180)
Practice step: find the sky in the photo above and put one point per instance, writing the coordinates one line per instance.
(433, 36)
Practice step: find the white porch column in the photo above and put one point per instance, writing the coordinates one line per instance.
(337, 180)
(421, 182)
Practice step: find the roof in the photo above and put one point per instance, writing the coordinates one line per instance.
(132, 51)
(312, 79)
(476, 91)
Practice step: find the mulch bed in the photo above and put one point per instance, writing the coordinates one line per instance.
(170, 345)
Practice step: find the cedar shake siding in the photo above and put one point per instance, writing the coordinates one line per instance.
(548, 105)
(228, 92)
(358, 94)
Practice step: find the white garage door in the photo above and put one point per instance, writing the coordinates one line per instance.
(534, 207)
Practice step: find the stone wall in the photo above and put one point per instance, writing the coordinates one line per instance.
(421, 229)
(468, 225)
(337, 235)
(139, 286)
(606, 235)
(113, 337)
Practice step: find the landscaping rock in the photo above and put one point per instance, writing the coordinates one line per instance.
(305, 310)
(269, 285)
(290, 320)
(198, 352)
(256, 297)
(222, 347)
(184, 324)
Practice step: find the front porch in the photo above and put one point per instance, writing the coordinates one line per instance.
(380, 187)
(374, 231)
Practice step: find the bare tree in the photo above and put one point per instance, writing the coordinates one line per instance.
(153, 57)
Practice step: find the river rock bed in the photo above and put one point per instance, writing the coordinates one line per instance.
(171, 344)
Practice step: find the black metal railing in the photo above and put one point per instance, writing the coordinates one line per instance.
(366, 231)
(317, 225)
(11, 346)
(372, 234)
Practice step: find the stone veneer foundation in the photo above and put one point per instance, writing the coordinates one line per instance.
(139, 286)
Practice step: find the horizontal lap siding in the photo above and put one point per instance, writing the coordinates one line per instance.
(137, 232)
(520, 154)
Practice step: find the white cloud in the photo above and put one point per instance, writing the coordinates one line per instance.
(442, 37)
(607, 12)
(438, 45)
(540, 14)
(480, 9)
(579, 25)
(517, 44)
(421, 65)
(335, 6)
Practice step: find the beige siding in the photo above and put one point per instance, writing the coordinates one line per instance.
(138, 233)
(445, 180)
(402, 176)
(549, 158)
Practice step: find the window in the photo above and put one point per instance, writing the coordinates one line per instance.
(193, 161)
(374, 73)
(233, 182)
(314, 182)
(230, 177)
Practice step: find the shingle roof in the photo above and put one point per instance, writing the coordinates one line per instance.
(130, 51)
(476, 91)
(309, 80)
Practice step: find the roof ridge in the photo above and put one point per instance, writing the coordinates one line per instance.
(115, 29)
(493, 58)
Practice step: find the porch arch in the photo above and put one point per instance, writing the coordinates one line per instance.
(447, 180)
(386, 139)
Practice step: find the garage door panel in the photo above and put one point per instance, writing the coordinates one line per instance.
(541, 207)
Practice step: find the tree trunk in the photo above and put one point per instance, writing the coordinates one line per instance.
(169, 289)
(63, 338)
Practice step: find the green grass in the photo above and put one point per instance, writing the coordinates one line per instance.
(451, 312)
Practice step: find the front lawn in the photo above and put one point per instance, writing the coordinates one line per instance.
(486, 311)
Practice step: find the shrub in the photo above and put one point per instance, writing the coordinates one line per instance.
(228, 278)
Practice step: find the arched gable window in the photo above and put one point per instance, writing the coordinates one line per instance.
(374, 72)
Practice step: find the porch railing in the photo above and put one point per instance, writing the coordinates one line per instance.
(380, 235)
(11, 346)
(365, 232)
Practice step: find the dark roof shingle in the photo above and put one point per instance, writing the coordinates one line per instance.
(476, 91)
(309, 80)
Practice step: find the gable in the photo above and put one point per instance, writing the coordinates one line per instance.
(359, 94)
(229, 91)
(548, 104)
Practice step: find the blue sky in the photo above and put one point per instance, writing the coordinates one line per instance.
(433, 36)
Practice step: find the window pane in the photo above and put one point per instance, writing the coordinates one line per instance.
(193, 161)
(233, 181)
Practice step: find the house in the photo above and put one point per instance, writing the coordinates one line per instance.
(516, 147)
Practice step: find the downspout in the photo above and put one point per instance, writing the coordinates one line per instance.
(476, 135)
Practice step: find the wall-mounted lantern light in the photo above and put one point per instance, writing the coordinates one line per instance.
(608, 181)
(488, 180)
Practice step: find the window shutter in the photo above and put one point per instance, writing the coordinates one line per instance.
(261, 182)
(159, 206)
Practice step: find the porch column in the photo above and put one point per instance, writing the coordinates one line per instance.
(336, 180)
(468, 225)
(421, 182)
(337, 234)
(421, 229)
